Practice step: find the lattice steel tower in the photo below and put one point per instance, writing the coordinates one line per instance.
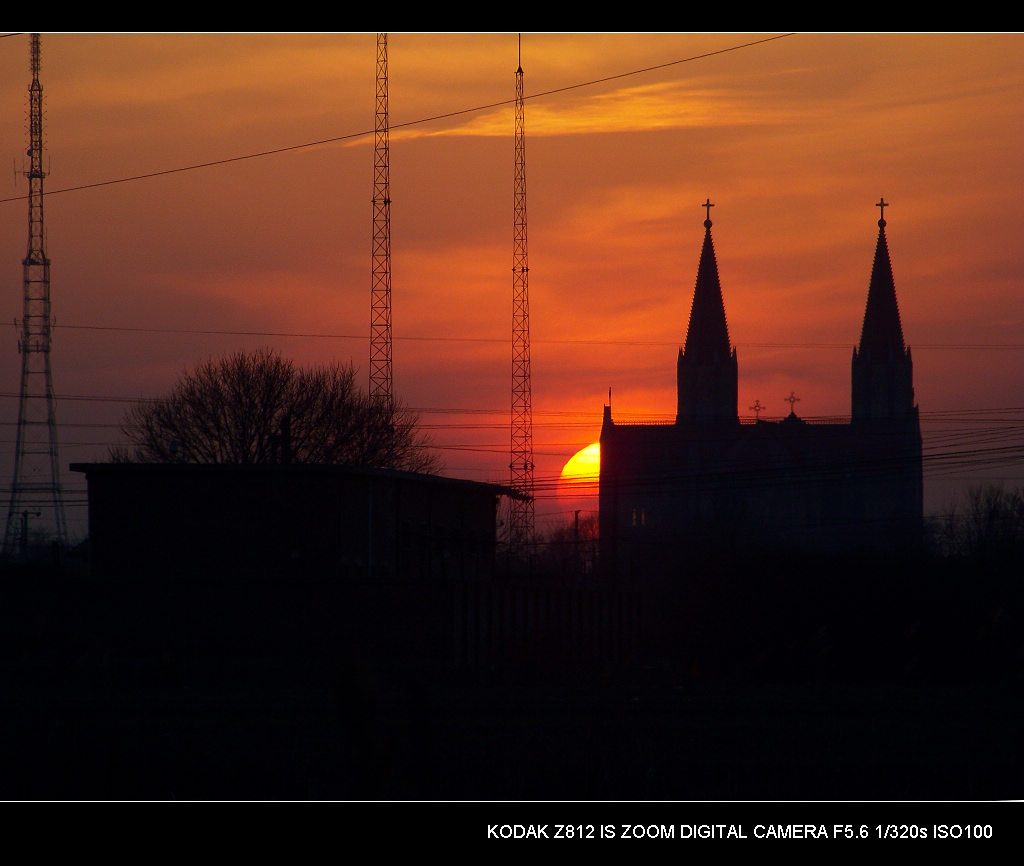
(36, 493)
(381, 388)
(521, 511)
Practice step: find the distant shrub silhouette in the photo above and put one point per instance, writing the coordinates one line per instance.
(570, 547)
(257, 408)
(989, 525)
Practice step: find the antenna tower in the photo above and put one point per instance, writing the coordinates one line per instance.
(35, 490)
(521, 511)
(380, 299)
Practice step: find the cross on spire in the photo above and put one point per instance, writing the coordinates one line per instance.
(792, 399)
(707, 207)
(882, 205)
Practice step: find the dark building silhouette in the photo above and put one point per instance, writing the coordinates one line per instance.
(401, 567)
(711, 483)
(330, 521)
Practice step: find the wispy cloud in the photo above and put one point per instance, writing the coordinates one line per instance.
(645, 108)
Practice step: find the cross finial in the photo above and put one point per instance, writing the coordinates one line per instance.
(882, 205)
(707, 207)
(792, 399)
(756, 409)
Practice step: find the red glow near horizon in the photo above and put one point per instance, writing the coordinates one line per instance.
(794, 140)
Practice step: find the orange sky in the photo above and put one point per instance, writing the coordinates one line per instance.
(794, 140)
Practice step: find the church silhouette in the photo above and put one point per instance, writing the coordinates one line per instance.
(711, 483)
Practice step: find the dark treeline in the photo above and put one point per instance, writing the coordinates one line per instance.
(845, 618)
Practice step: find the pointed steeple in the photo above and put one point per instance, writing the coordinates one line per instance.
(707, 337)
(882, 334)
(882, 368)
(706, 370)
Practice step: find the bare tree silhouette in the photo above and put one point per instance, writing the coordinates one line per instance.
(259, 408)
(990, 524)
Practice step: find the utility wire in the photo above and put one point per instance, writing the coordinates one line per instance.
(225, 332)
(393, 126)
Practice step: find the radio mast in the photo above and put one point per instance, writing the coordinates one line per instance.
(521, 510)
(36, 495)
(381, 386)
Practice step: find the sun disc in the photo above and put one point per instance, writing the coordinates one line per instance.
(584, 466)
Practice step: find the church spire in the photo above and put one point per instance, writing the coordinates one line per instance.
(882, 367)
(707, 337)
(882, 334)
(706, 371)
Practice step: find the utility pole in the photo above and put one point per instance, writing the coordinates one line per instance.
(521, 510)
(36, 486)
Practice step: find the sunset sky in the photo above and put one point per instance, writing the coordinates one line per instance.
(794, 139)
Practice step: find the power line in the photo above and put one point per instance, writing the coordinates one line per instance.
(423, 120)
(957, 423)
(227, 332)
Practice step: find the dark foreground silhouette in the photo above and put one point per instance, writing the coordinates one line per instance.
(870, 679)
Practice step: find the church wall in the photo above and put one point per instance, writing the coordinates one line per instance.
(671, 494)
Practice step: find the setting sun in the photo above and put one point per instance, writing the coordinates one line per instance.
(583, 468)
